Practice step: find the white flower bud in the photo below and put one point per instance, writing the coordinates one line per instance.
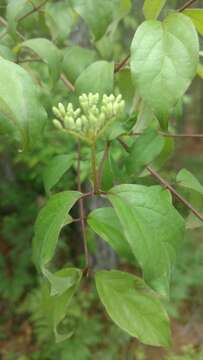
(111, 97)
(70, 109)
(61, 109)
(57, 124)
(56, 112)
(77, 112)
(119, 98)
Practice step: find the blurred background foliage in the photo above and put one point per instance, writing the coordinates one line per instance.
(24, 328)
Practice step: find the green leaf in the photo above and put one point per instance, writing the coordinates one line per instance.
(186, 179)
(99, 14)
(153, 229)
(76, 60)
(60, 19)
(134, 307)
(106, 224)
(200, 71)
(144, 150)
(96, 78)
(21, 113)
(48, 52)
(165, 154)
(196, 16)
(52, 217)
(164, 58)
(62, 280)
(55, 307)
(56, 169)
(13, 12)
(152, 8)
(7, 53)
(126, 88)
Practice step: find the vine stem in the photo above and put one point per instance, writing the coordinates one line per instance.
(166, 184)
(82, 212)
(94, 168)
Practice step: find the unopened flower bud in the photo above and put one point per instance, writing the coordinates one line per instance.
(78, 124)
(77, 112)
(56, 111)
(57, 124)
(61, 109)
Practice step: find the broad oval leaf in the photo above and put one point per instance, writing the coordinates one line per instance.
(76, 59)
(152, 8)
(153, 229)
(196, 16)
(96, 78)
(55, 169)
(186, 179)
(164, 58)
(21, 113)
(134, 307)
(99, 14)
(48, 52)
(106, 224)
(52, 217)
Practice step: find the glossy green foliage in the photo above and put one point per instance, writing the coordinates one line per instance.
(21, 113)
(134, 307)
(164, 58)
(153, 229)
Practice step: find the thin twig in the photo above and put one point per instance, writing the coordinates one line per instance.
(120, 65)
(69, 85)
(186, 5)
(34, 9)
(174, 192)
(5, 23)
(82, 213)
(173, 135)
(101, 165)
(165, 183)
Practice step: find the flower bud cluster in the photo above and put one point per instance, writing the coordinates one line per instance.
(92, 117)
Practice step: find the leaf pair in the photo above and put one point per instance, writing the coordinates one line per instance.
(143, 223)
